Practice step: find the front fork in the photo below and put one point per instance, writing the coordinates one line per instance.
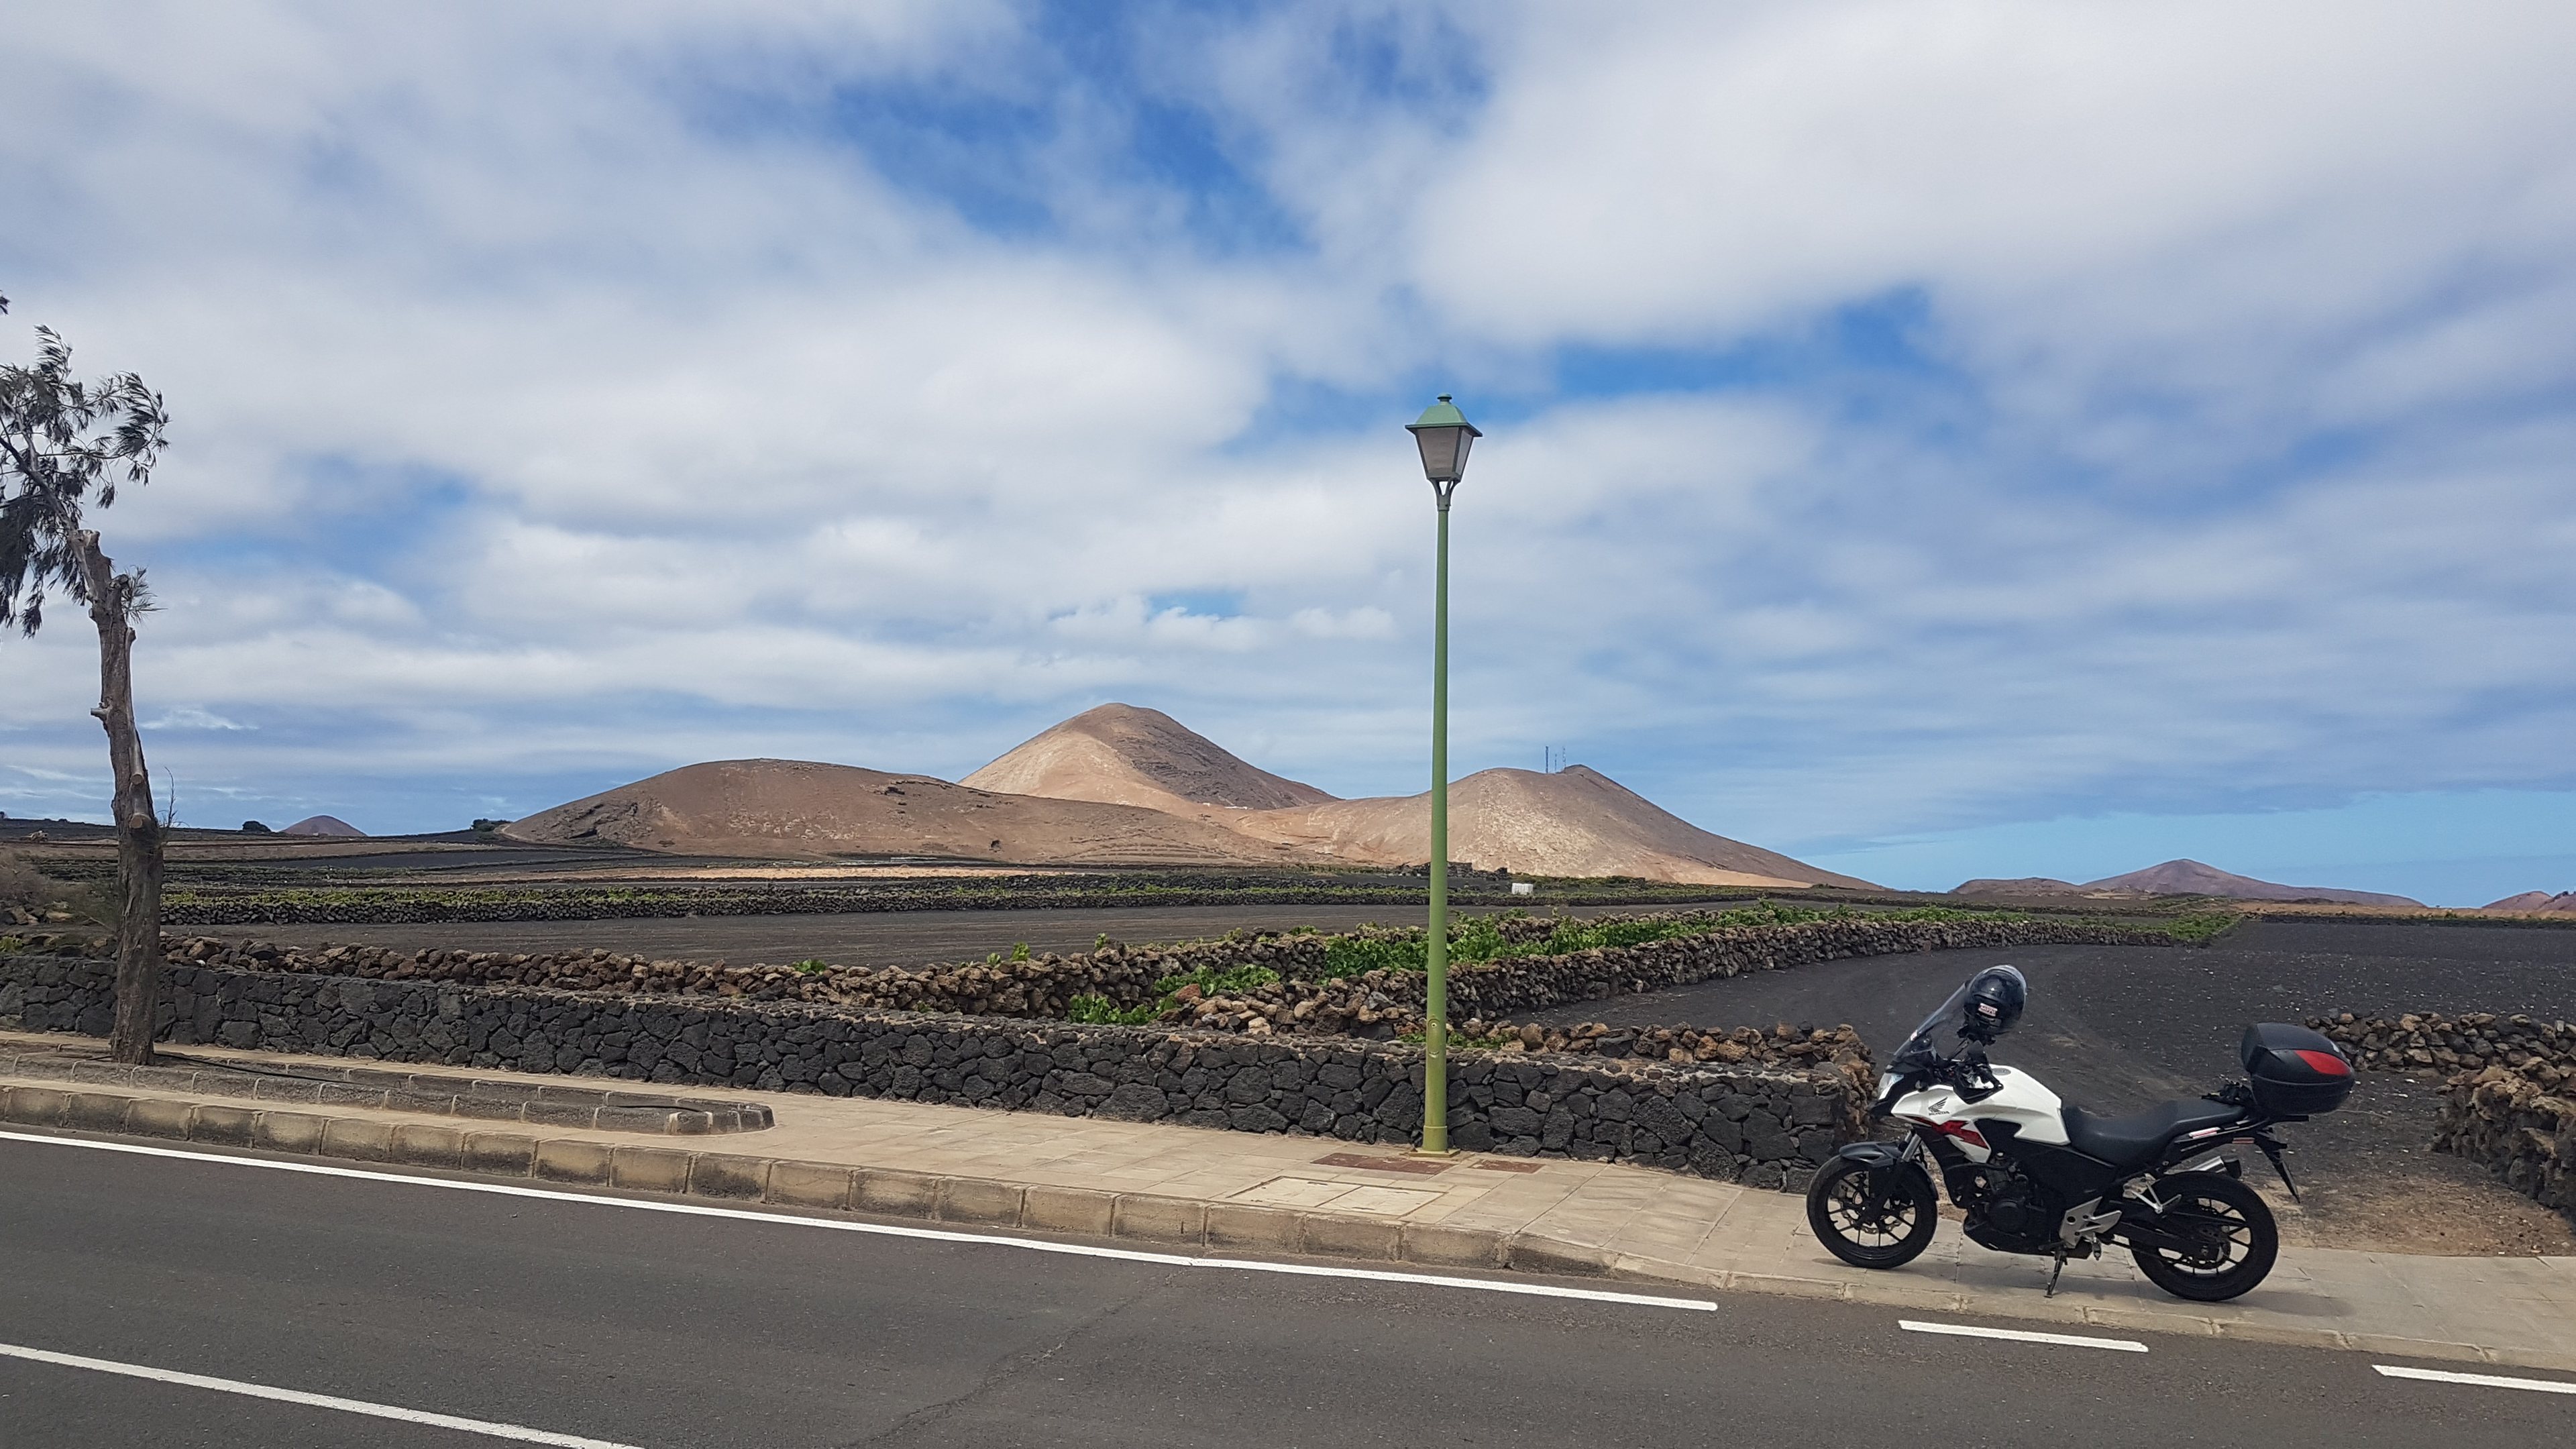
(1885, 1161)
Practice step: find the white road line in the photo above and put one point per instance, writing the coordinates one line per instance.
(2484, 1381)
(485, 1427)
(886, 1230)
(2019, 1335)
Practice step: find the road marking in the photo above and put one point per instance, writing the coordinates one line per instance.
(888, 1230)
(2484, 1381)
(2021, 1335)
(485, 1427)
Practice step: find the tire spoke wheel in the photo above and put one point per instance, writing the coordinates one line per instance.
(2226, 1240)
(1868, 1222)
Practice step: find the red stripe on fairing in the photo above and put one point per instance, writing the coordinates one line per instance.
(2326, 1062)
(1960, 1130)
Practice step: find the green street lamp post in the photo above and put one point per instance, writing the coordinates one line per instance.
(1444, 435)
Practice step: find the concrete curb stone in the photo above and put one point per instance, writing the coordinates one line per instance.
(288, 1131)
(649, 1169)
(811, 1185)
(725, 1175)
(895, 1192)
(1069, 1210)
(1152, 1219)
(566, 1160)
(976, 1200)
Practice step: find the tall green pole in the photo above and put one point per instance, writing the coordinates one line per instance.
(1444, 436)
(1435, 1007)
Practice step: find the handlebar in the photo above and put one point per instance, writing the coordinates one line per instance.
(1970, 1073)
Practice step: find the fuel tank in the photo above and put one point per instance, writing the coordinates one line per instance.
(2019, 1099)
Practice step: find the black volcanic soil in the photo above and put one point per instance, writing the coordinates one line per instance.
(2116, 1028)
(872, 938)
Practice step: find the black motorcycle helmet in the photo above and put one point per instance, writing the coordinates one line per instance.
(1996, 996)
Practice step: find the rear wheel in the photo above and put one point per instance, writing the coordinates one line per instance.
(2224, 1240)
(1870, 1223)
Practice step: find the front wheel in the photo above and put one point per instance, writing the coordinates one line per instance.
(1870, 1223)
(2216, 1238)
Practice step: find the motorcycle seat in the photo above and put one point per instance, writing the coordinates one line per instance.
(2133, 1142)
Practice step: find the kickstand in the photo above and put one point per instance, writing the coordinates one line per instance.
(2054, 1268)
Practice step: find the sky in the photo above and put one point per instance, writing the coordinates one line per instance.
(1936, 440)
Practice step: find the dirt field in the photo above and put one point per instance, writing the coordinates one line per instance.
(2116, 1028)
(885, 938)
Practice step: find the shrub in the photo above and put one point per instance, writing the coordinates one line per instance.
(1230, 981)
(2201, 927)
(1093, 1009)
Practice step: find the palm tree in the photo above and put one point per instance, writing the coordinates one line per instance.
(66, 444)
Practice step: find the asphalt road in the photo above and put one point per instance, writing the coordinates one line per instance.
(648, 1328)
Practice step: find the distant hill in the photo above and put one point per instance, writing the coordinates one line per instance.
(799, 809)
(1124, 785)
(2191, 878)
(2035, 887)
(1575, 822)
(330, 825)
(1119, 754)
(2535, 903)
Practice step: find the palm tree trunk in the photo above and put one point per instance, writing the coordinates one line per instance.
(138, 828)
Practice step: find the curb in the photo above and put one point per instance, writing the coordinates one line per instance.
(786, 1182)
(1131, 1217)
(399, 1090)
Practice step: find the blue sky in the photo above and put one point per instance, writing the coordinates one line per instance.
(1936, 440)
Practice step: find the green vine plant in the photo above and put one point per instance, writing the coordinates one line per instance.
(1093, 1008)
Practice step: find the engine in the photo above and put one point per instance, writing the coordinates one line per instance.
(2006, 1210)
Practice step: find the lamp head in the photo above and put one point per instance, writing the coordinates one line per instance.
(1444, 435)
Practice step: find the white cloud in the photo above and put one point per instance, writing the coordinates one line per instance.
(558, 390)
(194, 719)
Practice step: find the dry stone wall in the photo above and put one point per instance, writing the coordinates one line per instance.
(2509, 1094)
(2523, 1130)
(1761, 1126)
(1307, 1000)
(378, 905)
(2430, 1042)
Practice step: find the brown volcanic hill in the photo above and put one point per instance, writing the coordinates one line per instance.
(1122, 755)
(2191, 878)
(2534, 903)
(331, 825)
(2032, 887)
(1575, 822)
(800, 809)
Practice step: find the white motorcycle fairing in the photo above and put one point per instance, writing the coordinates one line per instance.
(2019, 1099)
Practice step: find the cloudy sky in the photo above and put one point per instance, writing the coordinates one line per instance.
(1938, 440)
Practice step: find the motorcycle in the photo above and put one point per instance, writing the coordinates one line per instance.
(2036, 1175)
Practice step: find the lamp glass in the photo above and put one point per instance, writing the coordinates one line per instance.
(1444, 452)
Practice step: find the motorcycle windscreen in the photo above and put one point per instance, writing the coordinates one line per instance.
(1920, 1050)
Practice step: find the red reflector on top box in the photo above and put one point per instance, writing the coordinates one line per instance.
(2295, 1071)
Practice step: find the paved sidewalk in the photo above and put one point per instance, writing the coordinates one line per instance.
(1241, 1192)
